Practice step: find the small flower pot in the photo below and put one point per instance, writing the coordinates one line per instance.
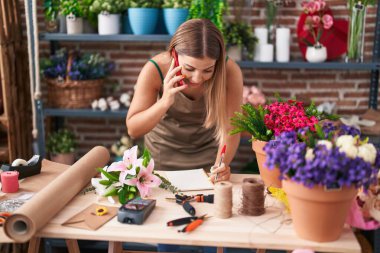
(174, 17)
(143, 20)
(108, 24)
(316, 54)
(270, 177)
(318, 214)
(74, 25)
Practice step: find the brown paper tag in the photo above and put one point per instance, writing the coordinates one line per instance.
(87, 219)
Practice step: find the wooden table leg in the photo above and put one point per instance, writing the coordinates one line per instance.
(34, 245)
(115, 247)
(72, 246)
(219, 250)
(261, 250)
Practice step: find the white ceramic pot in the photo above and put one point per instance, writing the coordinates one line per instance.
(234, 52)
(108, 24)
(316, 53)
(74, 25)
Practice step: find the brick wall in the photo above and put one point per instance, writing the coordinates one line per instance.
(349, 89)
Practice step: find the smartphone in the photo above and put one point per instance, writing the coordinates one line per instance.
(176, 64)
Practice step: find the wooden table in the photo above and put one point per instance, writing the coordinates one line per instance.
(269, 231)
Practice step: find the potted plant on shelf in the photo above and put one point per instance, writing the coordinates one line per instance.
(109, 15)
(265, 122)
(61, 146)
(90, 19)
(175, 13)
(143, 16)
(317, 19)
(75, 80)
(238, 35)
(51, 12)
(72, 9)
(321, 171)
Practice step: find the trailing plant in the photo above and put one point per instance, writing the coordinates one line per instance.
(61, 142)
(209, 9)
(88, 14)
(145, 4)
(240, 33)
(178, 4)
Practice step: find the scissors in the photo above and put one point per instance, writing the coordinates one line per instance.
(192, 223)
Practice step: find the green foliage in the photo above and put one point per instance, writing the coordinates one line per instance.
(252, 121)
(240, 33)
(209, 9)
(109, 6)
(51, 9)
(271, 12)
(61, 142)
(145, 4)
(184, 4)
(92, 17)
(73, 7)
(311, 110)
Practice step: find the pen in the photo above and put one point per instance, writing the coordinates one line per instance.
(221, 160)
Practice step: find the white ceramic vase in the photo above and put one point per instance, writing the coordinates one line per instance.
(317, 53)
(74, 25)
(108, 23)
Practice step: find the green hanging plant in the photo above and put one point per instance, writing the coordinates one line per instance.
(209, 9)
(240, 33)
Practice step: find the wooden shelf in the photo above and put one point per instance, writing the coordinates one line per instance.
(308, 65)
(88, 113)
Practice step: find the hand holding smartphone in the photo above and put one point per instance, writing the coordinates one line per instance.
(176, 64)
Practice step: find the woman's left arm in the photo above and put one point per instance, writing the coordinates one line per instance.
(234, 99)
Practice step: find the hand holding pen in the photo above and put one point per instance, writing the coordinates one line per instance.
(220, 172)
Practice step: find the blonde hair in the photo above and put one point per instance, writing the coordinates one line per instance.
(199, 38)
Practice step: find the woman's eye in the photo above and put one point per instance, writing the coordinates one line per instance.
(209, 71)
(189, 69)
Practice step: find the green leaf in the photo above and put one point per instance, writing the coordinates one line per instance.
(105, 182)
(112, 191)
(108, 175)
(122, 196)
(319, 131)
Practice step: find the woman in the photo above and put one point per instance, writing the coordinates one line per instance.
(186, 126)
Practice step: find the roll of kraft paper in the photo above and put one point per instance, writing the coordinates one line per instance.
(35, 213)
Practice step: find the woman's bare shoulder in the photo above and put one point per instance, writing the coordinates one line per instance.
(163, 60)
(234, 74)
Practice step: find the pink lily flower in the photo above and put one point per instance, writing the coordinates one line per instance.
(127, 166)
(145, 180)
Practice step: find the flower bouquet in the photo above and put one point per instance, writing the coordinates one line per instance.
(130, 177)
(321, 170)
(265, 122)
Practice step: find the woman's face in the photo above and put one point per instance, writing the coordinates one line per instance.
(197, 70)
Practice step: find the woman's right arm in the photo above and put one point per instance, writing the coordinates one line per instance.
(145, 111)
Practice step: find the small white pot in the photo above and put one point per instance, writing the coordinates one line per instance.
(316, 53)
(234, 52)
(74, 25)
(108, 23)
(266, 52)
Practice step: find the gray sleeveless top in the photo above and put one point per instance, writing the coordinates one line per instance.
(179, 141)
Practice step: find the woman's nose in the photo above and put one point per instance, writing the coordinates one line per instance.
(197, 77)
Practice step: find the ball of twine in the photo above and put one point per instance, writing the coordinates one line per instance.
(223, 200)
(253, 197)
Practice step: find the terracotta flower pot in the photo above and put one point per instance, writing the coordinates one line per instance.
(68, 158)
(318, 215)
(270, 177)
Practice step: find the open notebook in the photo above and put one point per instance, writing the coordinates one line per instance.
(189, 180)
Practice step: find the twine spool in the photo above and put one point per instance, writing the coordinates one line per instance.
(9, 181)
(223, 200)
(253, 197)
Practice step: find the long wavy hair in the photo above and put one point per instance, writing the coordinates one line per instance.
(199, 38)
